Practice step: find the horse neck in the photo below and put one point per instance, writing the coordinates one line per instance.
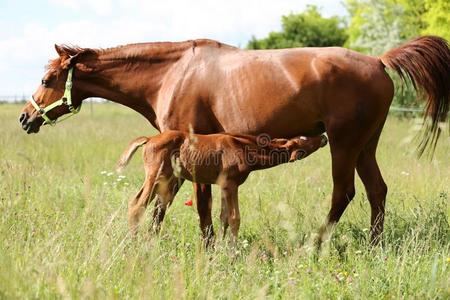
(132, 76)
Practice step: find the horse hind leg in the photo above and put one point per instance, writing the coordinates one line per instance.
(343, 170)
(376, 188)
(345, 144)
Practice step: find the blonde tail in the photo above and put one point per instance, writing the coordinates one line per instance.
(128, 153)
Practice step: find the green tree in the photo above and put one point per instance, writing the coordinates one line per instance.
(437, 18)
(306, 29)
(376, 26)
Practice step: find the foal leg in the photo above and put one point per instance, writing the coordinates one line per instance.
(204, 206)
(137, 205)
(166, 194)
(376, 188)
(230, 195)
(224, 216)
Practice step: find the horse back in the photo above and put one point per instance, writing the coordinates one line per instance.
(284, 93)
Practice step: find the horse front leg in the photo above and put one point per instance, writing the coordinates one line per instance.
(204, 207)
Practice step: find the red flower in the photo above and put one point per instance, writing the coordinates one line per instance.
(188, 202)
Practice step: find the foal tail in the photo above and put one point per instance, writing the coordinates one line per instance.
(131, 149)
(426, 62)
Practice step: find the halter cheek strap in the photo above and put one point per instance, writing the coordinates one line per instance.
(65, 100)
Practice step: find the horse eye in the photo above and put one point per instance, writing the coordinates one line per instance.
(44, 82)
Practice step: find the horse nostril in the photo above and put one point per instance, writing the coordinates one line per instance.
(23, 118)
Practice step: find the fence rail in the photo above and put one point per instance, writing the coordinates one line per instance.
(24, 98)
(14, 98)
(405, 109)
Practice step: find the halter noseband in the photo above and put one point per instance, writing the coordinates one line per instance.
(65, 100)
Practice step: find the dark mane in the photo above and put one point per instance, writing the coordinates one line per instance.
(70, 50)
(134, 52)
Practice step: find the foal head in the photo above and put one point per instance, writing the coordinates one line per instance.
(59, 93)
(301, 147)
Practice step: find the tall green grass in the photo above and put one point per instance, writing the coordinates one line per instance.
(63, 227)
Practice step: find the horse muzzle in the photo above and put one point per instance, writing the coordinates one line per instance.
(30, 124)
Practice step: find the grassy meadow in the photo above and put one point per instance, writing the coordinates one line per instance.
(63, 226)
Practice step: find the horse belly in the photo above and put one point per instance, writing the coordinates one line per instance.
(283, 121)
(275, 112)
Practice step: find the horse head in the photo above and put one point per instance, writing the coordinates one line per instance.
(59, 93)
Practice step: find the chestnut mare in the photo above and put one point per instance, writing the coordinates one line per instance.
(211, 87)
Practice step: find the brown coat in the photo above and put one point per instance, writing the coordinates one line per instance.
(222, 159)
(212, 88)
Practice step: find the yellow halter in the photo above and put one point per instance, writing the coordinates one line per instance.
(65, 100)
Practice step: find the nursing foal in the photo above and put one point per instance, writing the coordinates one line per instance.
(222, 159)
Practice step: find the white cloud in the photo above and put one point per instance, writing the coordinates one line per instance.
(100, 7)
(107, 23)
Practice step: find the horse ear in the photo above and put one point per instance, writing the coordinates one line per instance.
(67, 58)
(68, 61)
(64, 57)
(60, 51)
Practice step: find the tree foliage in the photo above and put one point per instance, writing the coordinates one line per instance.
(306, 29)
(376, 26)
(437, 18)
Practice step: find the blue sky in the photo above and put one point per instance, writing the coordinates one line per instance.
(29, 29)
